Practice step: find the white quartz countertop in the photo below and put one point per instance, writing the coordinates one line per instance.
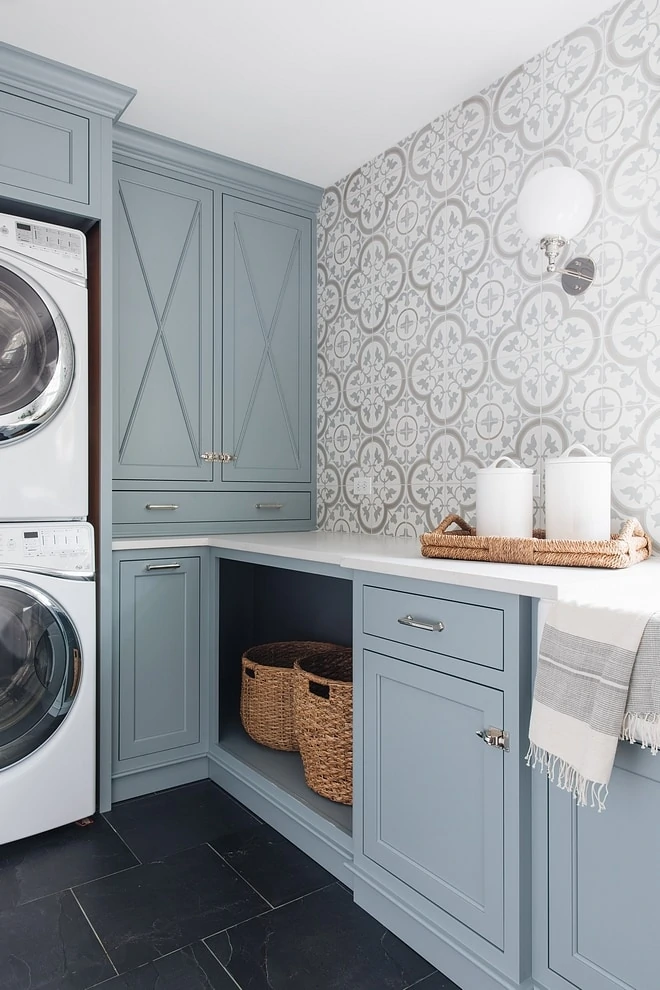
(402, 558)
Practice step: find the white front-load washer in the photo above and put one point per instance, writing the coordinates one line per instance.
(47, 677)
(43, 371)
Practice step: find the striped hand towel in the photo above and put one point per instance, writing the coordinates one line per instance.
(597, 681)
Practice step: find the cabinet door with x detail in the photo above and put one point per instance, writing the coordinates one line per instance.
(267, 344)
(164, 349)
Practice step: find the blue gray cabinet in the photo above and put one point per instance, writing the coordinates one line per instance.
(44, 151)
(441, 820)
(164, 403)
(55, 139)
(213, 356)
(602, 875)
(157, 669)
(433, 793)
(267, 344)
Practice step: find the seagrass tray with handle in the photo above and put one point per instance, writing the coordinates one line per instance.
(630, 546)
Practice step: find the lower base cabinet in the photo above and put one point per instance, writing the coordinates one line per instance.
(433, 793)
(441, 819)
(602, 882)
(445, 850)
(158, 714)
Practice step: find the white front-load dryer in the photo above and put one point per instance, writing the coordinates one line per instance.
(43, 371)
(47, 677)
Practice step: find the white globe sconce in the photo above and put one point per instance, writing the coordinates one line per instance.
(553, 206)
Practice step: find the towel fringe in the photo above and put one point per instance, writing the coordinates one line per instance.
(584, 791)
(643, 728)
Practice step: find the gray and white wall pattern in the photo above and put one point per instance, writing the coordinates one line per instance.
(442, 342)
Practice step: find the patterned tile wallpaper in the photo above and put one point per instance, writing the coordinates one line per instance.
(443, 344)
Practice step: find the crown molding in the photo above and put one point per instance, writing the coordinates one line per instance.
(136, 146)
(52, 80)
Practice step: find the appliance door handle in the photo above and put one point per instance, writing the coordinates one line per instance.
(162, 567)
(155, 507)
(408, 620)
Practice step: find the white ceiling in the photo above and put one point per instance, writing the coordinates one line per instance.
(309, 88)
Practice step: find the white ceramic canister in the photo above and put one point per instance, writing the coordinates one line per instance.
(578, 487)
(505, 499)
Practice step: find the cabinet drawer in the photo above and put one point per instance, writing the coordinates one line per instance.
(43, 149)
(172, 508)
(469, 632)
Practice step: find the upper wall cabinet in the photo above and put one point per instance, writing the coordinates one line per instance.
(164, 411)
(55, 132)
(213, 338)
(43, 150)
(267, 342)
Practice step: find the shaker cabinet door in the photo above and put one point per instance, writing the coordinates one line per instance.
(267, 344)
(163, 328)
(44, 151)
(433, 791)
(603, 880)
(158, 688)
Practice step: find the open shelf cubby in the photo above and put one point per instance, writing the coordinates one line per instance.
(263, 604)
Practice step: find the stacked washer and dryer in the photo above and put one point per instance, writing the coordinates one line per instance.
(47, 588)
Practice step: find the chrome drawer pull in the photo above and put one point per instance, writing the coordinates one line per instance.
(408, 620)
(162, 567)
(269, 505)
(151, 506)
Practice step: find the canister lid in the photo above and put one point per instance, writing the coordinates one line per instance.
(505, 465)
(577, 453)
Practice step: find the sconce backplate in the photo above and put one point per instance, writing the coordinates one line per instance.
(572, 283)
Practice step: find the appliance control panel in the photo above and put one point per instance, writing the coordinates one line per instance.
(59, 247)
(59, 548)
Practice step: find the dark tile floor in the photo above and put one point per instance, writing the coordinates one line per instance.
(186, 890)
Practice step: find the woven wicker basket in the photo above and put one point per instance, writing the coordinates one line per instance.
(267, 690)
(323, 705)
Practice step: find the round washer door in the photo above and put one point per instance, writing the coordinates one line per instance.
(40, 669)
(36, 356)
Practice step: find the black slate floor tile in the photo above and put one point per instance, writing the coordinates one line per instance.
(158, 825)
(322, 941)
(151, 910)
(274, 866)
(64, 857)
(48, 945)
(192, 968)
(436, 981)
